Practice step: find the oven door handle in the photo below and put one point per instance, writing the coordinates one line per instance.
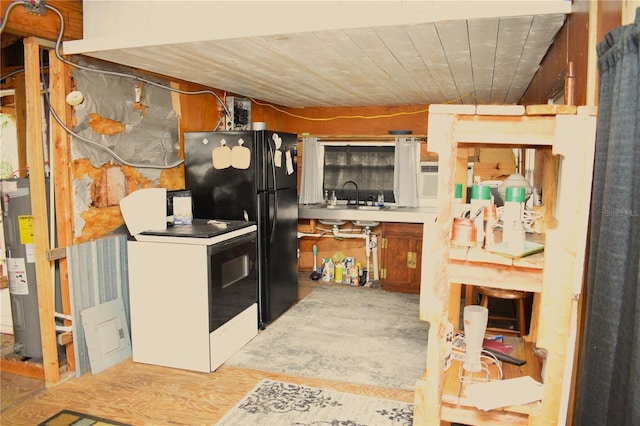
(231, 243)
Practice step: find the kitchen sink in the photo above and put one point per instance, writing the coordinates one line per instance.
(349, 207)
(372, 208)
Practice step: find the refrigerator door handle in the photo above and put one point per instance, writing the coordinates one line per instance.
(275, 192)
(275, 216)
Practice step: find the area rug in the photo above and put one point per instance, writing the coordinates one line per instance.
(278, 403)
(73, 418)
(351, 334)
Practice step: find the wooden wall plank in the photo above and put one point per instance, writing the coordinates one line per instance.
(355, 120)
(39, 211)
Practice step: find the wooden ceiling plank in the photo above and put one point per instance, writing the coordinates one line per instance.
(511, 40)
(429, 47)
(356, 59)
(233, 76)
(402, 48)
(385, 68)
(303, 79)
(317, 68)
(483, 35)
(454, 37)
(541, 34)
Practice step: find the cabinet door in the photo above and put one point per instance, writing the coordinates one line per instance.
(402, 257)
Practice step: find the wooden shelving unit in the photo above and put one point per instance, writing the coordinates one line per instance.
(566, 135)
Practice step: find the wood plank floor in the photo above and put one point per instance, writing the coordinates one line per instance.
(141, 394)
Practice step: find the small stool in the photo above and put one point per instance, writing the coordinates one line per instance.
(515, 295)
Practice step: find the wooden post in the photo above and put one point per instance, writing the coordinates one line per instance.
(434, 291)
(21, 125)
(39, 211)
(61, 163)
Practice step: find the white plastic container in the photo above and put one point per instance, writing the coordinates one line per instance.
(328, 270)
(480, 198)
(513, 232)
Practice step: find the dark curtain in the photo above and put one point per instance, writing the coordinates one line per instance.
(609, 377)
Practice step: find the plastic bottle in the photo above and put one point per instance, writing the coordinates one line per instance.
(492, 214)
(353, 274)
(480, 198)
(334, 199)
(328, 271)
(338, 272)
(346, 272)
(513, 231)
(325, 270)
(325, 199)
(380, 198)
(457, 199)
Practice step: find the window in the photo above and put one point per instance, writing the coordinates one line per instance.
(369, 166)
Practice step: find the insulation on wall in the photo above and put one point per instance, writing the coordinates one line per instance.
(127, 120)
(128, 139)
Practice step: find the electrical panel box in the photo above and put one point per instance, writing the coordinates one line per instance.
(239, 117)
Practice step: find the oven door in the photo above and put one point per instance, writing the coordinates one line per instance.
(233, 279)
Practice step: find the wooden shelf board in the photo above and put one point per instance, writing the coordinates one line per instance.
(34, 370)
(471, 416)
(477, 254)
(491, 275)
(458, 409)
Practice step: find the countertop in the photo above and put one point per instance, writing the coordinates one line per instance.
(390, 213)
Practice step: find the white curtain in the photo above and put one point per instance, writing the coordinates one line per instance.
(312, 171)
(405, 172)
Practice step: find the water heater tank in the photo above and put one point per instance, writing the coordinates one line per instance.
(21, 267)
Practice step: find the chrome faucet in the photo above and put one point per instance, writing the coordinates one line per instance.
(357, 192)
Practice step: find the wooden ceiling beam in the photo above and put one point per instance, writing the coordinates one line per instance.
(22, 23)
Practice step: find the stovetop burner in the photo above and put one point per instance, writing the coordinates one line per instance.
(199, 232)
(200, 229)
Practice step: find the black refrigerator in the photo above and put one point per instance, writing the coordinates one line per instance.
(252, 175)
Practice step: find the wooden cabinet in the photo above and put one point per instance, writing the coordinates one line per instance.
(401, 257)
(567, 136)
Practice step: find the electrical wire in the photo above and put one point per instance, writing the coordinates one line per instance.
(57, 50)
(6, 14)
(359, 117)
(338, 117)
(12, 73)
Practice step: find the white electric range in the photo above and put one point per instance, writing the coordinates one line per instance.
(193, 293)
